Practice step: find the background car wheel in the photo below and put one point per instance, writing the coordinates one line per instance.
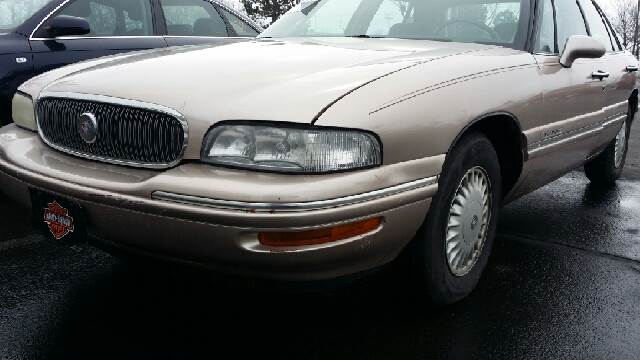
(452, 248)
(607, 167)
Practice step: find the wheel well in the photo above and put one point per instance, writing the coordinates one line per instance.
(503, 130)
(633, 102)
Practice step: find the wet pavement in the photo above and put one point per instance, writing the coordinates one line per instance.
(563, 283)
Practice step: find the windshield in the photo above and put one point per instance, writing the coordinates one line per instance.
(14, 12)
(502, 22)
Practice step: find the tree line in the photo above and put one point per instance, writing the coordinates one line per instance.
(265, 12)
(625, 20)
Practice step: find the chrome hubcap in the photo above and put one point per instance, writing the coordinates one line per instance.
(621, 144)
(469, 218)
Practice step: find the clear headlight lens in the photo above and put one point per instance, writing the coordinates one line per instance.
(23, 111)
(282, 149)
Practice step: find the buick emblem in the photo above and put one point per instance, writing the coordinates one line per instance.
(88, 127)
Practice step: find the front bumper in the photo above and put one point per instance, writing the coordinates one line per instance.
(211, 216)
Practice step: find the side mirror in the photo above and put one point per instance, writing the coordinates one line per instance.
(64, 25)
(581, 47)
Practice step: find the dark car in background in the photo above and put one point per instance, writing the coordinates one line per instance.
(40, 35)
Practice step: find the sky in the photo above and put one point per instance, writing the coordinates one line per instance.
(607, 6)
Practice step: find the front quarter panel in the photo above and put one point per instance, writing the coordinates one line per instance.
(16, 66)
(420, 112)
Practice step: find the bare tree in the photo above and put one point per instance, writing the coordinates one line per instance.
(636, 15)
(623, 22)
(266, 12)
(626, 21)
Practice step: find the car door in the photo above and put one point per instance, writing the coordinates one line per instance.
(116, 26)
(623, 65)
(573, 97)
(616, 93)
(191, 22)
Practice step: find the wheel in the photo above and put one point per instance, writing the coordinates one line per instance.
(453, 246)
(607, 167)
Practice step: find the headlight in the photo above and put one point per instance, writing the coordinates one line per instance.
(23, 111)
(291, 149)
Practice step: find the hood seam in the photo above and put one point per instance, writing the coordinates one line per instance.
(326, 108)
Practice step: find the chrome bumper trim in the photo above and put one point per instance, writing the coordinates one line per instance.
(300, 206)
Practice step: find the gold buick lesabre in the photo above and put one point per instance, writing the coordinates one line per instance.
(349, 132)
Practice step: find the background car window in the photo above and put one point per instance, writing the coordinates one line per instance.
(114, 17)
(546, 41)
(596, 24)
(239, 26)
(193, 18)
(14, 12)
(570, 21)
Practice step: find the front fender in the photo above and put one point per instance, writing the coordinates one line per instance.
(419, 112)
(16, 67)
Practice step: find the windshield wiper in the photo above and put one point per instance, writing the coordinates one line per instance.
(308, 7)
(364, 36)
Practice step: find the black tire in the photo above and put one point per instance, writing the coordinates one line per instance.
(603, 170)
(428, 249)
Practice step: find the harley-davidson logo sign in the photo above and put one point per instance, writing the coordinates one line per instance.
(58, 220)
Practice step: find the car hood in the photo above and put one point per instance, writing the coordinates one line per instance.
(285, 80)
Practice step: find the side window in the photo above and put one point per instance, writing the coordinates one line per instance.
(546, 41)
(615, 37)
(114, 17)
(239, 26)
(570, 21)
(596, 24)
(193, 18)
(14, 13)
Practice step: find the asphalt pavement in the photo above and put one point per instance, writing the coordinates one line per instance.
(563, 283)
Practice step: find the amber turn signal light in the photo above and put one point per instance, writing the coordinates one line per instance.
(320, 236)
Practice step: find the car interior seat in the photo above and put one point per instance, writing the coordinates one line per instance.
(419, 25)
(180, 30)
(506, 31)
(135, 12)
(79, 9)
(209, 27)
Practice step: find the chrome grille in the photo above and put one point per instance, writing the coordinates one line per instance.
(128, 135)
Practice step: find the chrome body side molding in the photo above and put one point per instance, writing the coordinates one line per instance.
(563, 137)
(293, 207)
